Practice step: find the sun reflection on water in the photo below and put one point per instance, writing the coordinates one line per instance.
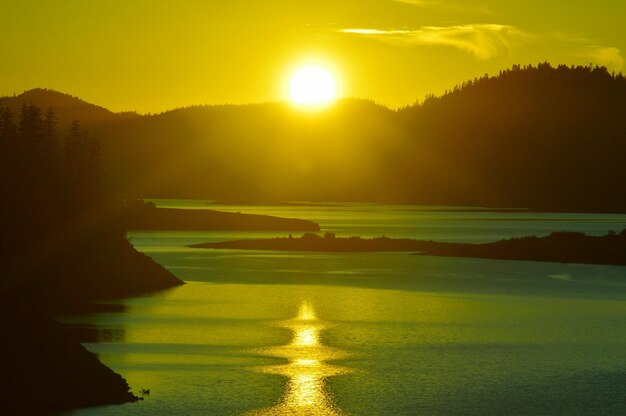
(306, 337)
(307, 368)
(306, 312)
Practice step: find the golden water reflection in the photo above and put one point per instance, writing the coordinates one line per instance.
(306, 369)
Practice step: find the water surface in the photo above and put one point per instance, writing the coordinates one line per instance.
(266, 333)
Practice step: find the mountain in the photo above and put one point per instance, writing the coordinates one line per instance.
(538, 137)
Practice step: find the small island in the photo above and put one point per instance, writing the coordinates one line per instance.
(558, 247)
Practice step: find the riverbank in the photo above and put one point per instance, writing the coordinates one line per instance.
(45, 369)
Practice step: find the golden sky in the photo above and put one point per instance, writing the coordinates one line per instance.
(154, 55)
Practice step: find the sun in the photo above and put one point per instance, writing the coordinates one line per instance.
(312, 86)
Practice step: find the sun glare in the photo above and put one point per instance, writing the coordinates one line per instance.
(312, 86)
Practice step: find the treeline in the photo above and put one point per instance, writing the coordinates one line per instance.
(47, 184)
(63, 238)
(570, 77)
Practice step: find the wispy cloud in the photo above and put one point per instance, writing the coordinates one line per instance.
(605, 56)
(582, 47)
(448, 5)
(483, 41)
(421, 3)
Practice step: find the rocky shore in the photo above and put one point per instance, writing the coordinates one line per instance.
(44, 368)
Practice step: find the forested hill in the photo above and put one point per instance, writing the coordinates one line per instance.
(66, 107)
(534, 137)
(538, 137)
(62, 242)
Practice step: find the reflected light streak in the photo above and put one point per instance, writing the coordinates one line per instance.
(305, 362)
(307, 368)
(306, 312)
(306, 337)
(306, 390)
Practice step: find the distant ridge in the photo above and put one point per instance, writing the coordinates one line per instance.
(66, 107)
(536, 137)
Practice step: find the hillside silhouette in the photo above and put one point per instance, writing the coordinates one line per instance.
(62, 243)
(67, 108)
(538, 137)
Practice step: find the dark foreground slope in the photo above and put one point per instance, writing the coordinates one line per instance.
(560, 247)
(44, 368)
(104, 270)
(62, 243)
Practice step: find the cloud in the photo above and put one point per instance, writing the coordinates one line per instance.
(581, 47)
(604, 56)
(483, 41)
(421, 3)
(448, 6)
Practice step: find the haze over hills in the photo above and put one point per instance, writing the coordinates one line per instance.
(534, 137)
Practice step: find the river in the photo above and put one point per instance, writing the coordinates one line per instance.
(268, 333)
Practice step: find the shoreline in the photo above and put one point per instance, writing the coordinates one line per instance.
(50, 371)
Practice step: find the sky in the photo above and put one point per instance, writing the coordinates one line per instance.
(154, 55)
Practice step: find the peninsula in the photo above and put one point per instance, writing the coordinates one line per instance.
(558, 247)
(145, 216)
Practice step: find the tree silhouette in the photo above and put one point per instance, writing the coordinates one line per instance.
(60, 244)
(47, 201)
